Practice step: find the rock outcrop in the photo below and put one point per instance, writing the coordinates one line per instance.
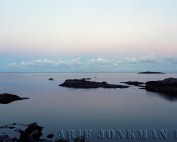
(8, 98)
(31, 134)
(5, 138)
(168, 86)
(81, 139)
(83, 83)
(51, 79)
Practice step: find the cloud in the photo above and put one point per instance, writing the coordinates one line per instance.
(132, 61)
(99, 64)
(171, 59)
(149, 59)
(65, 63)
(100, 61)
(35, 63)
(47, 63)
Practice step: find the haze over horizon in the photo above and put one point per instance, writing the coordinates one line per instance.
(88, 35)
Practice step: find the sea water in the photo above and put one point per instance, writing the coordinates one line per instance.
(102, 112)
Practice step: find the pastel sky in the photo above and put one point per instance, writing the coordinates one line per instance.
(88, 35)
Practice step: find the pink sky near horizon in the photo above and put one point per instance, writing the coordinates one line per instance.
(114, 28)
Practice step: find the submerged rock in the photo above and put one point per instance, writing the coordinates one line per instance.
(11, 127)
(8, 98)
(168, 85)
(14, 139)
(80, 139)
(82, 83)
(62, 140)
(50, 136)
(135, 83)
(5, 138)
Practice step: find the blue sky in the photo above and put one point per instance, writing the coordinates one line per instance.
(88, 35)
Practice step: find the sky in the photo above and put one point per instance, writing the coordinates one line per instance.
(88, 35)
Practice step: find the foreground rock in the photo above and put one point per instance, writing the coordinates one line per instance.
(168, 86)
(81, 139)
(31, 134)
(62, 140)
(150, 72)
(5, 138)
(135, 83)
(83, 83)
(8, 98)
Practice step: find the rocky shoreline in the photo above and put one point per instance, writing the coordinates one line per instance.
(32, 133)
(168, 86)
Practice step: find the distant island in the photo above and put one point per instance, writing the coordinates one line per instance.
(150, 72)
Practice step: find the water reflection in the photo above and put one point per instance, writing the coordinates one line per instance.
(166, 96)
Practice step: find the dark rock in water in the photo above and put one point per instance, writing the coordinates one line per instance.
(14, 139)
(62, 140)
(81, 139)
(150, 72)
(11, 127)
(82, 83)
(50, 136)
(5, 138)
(135, 83)
(31, 134)
(170, 80)
(8, 98)
(168, 85)
(51, 79)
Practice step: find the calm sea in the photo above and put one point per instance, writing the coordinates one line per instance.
(58, 108)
